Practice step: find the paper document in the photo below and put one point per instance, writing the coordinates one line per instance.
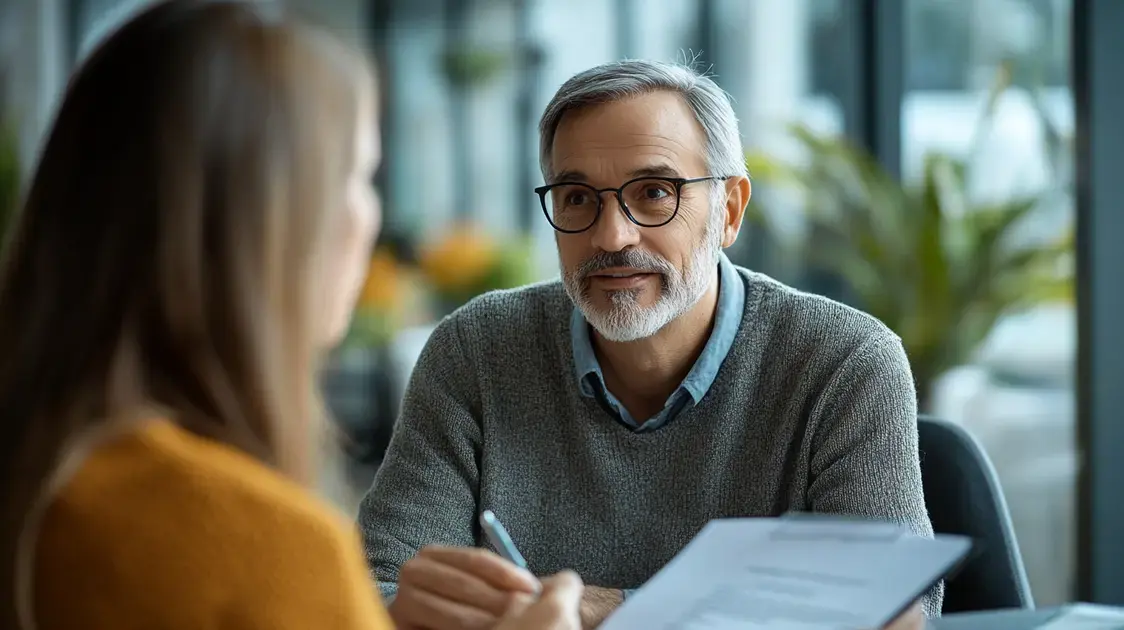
(790, 574)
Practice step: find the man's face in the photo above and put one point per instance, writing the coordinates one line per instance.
(631, 281)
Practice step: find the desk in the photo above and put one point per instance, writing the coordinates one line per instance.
(1027, 619)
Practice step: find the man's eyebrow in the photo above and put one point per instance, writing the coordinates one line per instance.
(656, 170)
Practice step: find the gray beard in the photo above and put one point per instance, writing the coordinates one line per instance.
(627, 319)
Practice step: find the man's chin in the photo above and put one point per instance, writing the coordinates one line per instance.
(627, 311)
(619, 334)
(614, 325)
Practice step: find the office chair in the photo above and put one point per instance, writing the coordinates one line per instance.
(963, 497)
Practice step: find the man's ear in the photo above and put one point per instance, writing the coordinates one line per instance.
(738, 191)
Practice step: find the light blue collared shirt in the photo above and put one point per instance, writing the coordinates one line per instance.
(727, 319)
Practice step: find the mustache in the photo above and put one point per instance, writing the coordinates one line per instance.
(633, 258)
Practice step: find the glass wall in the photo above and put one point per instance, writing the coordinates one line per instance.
(987, 82)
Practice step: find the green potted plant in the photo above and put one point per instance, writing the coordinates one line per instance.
(936, 267)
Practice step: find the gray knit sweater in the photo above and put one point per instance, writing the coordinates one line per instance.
(813, 410)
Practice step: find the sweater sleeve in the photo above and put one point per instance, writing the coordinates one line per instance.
(865, 460)
(426, 490)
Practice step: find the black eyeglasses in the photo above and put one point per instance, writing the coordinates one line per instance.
(573, 207)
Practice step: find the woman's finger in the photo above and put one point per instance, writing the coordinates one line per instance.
(486, 566)
(422, 609)
(557, 607)
(451, 583)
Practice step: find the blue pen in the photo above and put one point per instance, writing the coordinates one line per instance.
(499, 538)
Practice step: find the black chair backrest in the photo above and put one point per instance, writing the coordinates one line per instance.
(963, 496)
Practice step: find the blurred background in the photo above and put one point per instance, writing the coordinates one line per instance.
(914, 158)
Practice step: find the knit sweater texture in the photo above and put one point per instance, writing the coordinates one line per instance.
(161, 529)
(813, 410)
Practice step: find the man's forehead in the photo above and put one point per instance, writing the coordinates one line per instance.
(653, 114)
(645, 134)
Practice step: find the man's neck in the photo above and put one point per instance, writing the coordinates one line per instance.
(642, 374)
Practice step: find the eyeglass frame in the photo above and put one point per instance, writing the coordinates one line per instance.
(678, 182)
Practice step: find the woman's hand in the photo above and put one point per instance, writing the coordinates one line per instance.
(556, 608)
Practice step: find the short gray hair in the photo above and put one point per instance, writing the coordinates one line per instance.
(622, 80)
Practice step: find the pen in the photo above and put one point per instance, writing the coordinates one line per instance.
(499, 538)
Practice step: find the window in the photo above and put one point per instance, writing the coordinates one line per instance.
(1017, 393)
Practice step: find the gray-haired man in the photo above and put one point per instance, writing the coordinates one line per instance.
(606, 418)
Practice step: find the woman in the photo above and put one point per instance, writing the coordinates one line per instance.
(192, 241)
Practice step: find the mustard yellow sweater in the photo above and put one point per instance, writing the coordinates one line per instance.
(166, 530)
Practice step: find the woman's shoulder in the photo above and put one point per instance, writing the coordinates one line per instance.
(179, 525)
(171, 480)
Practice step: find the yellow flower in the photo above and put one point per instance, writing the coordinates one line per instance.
(460, 260)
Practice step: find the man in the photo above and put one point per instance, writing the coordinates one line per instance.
(606, 418)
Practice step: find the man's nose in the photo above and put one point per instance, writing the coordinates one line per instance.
(613, 230)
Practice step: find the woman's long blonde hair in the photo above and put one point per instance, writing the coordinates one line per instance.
(167, 256)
